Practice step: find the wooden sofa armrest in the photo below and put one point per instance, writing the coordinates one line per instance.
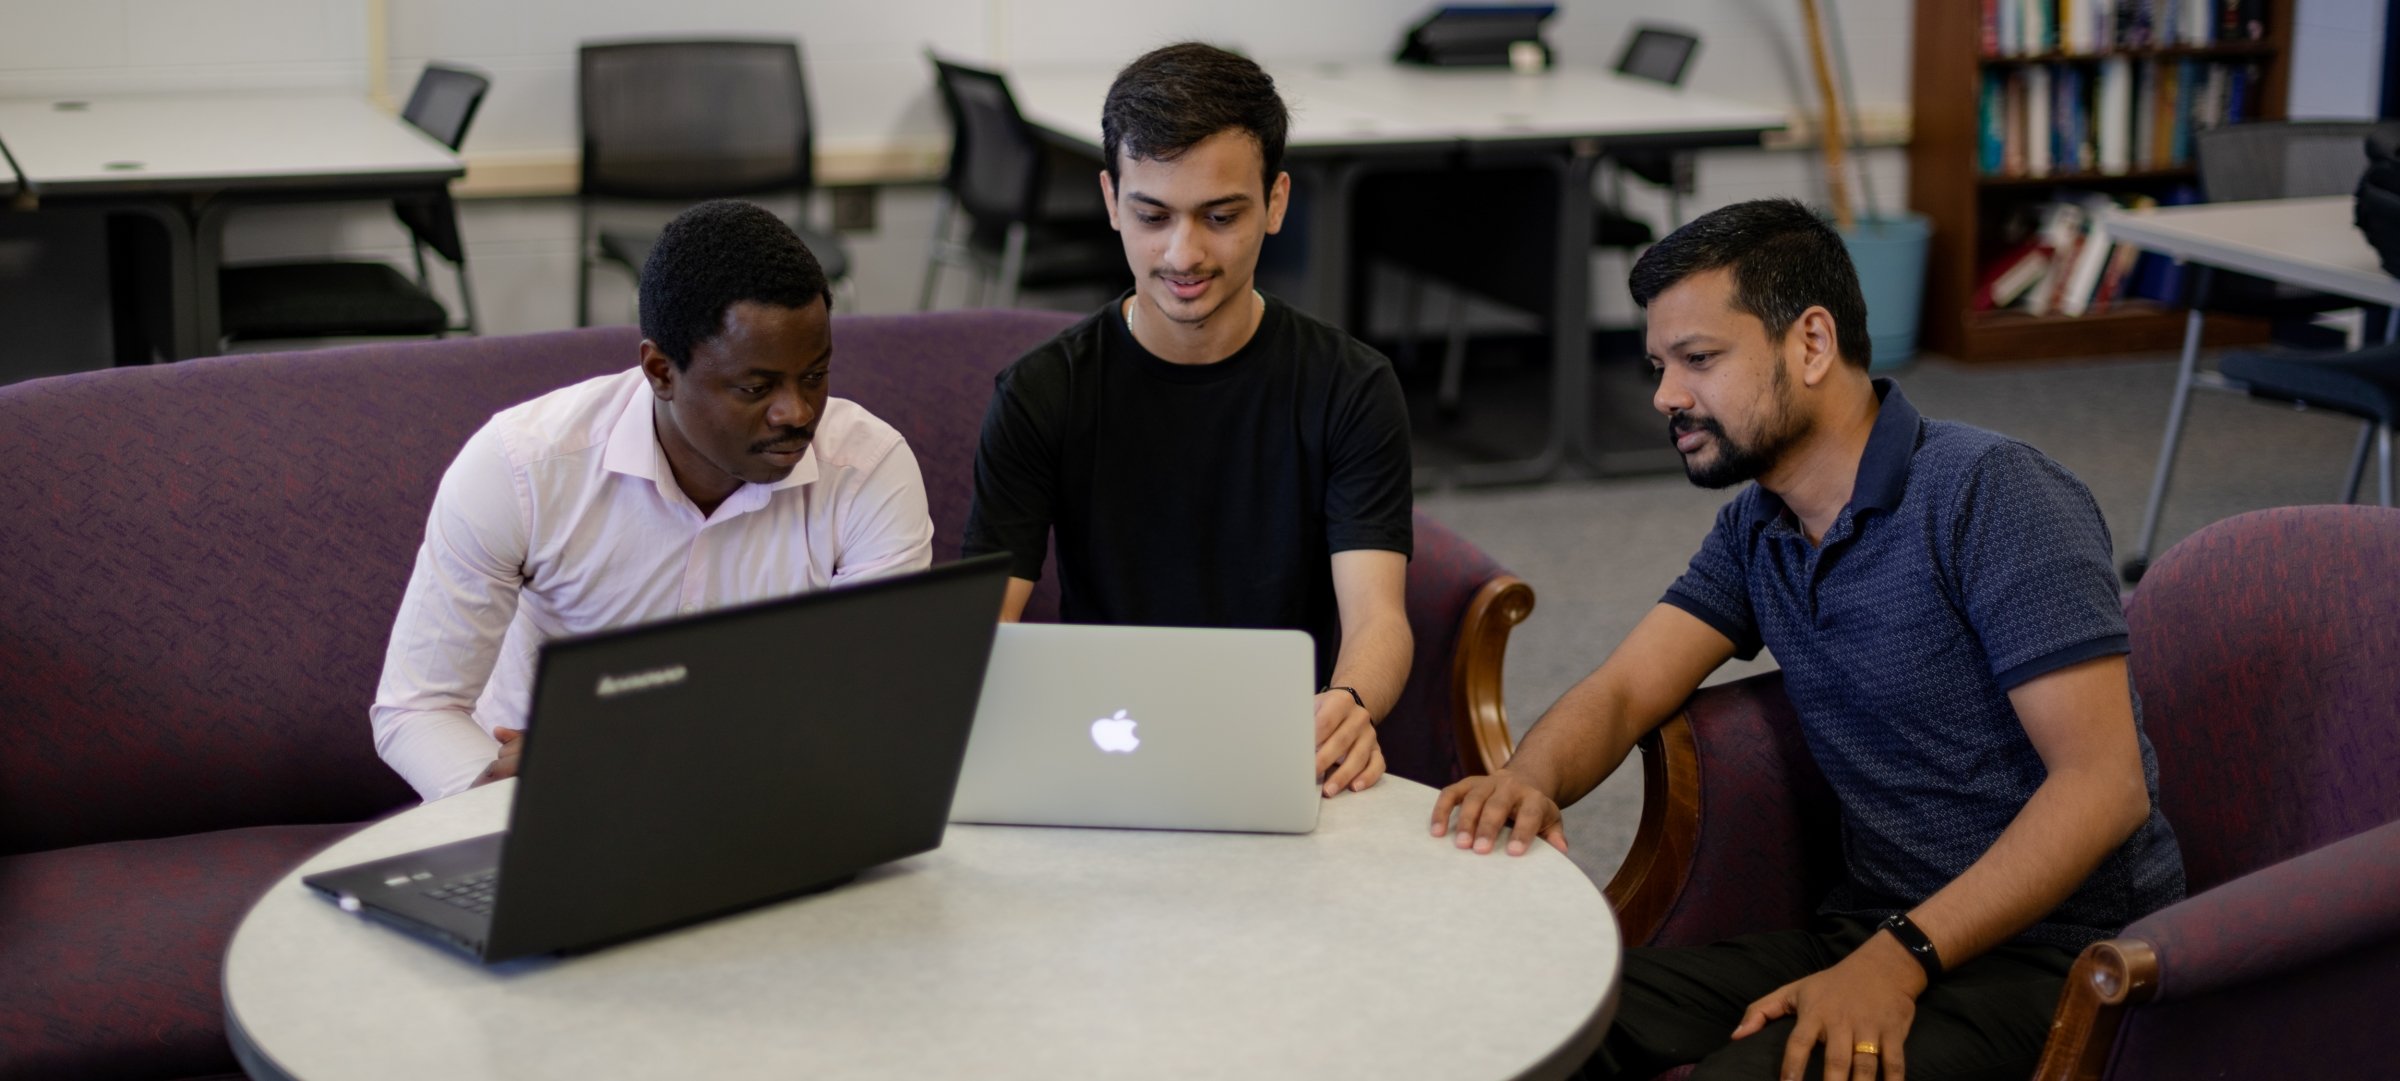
(1646, 885)
(2106, 979)
(1477, 711)
(2312, 911)
(1738, 831)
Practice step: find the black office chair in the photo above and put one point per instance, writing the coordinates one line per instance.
(679, 122)
(287, 300)
(2364, 384)
(2280, 159)
(1034, 217)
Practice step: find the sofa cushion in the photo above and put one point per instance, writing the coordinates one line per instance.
(111, 954)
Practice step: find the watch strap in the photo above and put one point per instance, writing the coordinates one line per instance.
(1912, 938)
(1351, 691)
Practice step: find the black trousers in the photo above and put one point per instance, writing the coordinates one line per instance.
(1987, 1018)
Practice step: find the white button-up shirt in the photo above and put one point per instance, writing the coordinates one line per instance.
(562, 517)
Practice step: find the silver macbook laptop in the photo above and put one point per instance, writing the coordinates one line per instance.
(1144, 727)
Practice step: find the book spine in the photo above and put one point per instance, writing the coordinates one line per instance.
(2013, 153)
(2116, 115)
(1992, 135)
(2037, 121)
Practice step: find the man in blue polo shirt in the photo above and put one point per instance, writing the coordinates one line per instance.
(1941, 602)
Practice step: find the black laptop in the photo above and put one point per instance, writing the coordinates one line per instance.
(690, 768)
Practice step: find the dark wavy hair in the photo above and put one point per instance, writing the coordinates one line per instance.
(1172, 98)
(714, 256)
(1785, 260)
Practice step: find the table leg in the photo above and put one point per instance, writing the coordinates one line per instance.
(208, 259)
(181, 287)
(1326, 187)
(1570, 335)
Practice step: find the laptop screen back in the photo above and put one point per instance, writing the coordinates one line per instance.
(685, 769)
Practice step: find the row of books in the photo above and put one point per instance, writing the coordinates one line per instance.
(2116, 116)
(2056, 259)
(2038, 27)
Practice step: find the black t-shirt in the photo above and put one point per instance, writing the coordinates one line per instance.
(1209, 495)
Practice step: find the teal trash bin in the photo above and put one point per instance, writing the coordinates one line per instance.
(1890, 255)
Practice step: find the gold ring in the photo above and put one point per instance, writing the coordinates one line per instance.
(1864, 1048)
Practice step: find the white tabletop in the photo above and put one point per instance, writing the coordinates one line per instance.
(1367, 948)
(2311, 243)
(1368, 105)
(200, 142)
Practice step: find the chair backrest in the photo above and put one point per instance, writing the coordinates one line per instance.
(444, 102)
(930, 376)
(996, 160)
(2281, 159)
(2266, 649)
(1421, 739)
(1658, 54)
(443, 105)
(693, 119)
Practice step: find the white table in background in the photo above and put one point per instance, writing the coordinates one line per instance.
(187, 161)
(2311, 243)
(1349, 119)
(1365, 949)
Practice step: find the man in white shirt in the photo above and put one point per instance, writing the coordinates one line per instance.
(715, 473)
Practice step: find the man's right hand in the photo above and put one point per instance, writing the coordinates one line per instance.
(512, 751)
(1485, 804)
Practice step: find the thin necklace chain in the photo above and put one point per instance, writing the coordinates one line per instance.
(1134, 304)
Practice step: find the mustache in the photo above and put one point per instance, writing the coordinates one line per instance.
(787, 439)
(1680, 424)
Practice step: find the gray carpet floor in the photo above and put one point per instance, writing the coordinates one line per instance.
(1599, 552)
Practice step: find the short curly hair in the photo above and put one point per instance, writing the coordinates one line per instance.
(714, 256)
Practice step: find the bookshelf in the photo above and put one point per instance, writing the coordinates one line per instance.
(1970, 209)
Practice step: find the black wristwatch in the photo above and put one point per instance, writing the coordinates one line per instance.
(1913, 940)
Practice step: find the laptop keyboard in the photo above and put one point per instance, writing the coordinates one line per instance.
(471, 892)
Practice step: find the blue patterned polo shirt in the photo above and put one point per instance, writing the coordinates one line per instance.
(1966, 563)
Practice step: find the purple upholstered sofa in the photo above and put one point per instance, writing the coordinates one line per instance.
(2266, 649)
(201, 565)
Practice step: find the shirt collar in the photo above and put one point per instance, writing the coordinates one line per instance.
(1891, 447)
(1882, 468)
(633, 450)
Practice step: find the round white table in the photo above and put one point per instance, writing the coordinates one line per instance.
(1366, 949)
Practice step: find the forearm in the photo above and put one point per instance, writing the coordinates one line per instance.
(1012, 602)
(1579, 740)
(1374, 661)
(1586, 735)
(438, 752)
(2073, 821)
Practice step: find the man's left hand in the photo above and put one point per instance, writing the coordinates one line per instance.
(1866, 1001)
(1347, 754)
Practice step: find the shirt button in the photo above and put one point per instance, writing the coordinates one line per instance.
(690, 608)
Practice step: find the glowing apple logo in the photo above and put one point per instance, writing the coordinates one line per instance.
(1115, 735)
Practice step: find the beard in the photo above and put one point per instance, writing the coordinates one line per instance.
(1738, 461)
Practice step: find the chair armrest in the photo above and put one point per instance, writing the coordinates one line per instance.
(1477, 711)
(2313, 909)
(1738, 831)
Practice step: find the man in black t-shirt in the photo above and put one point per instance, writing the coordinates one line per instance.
(1206, 455)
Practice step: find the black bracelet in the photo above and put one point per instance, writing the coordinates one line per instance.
(1912, 938)
(1353, 693)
